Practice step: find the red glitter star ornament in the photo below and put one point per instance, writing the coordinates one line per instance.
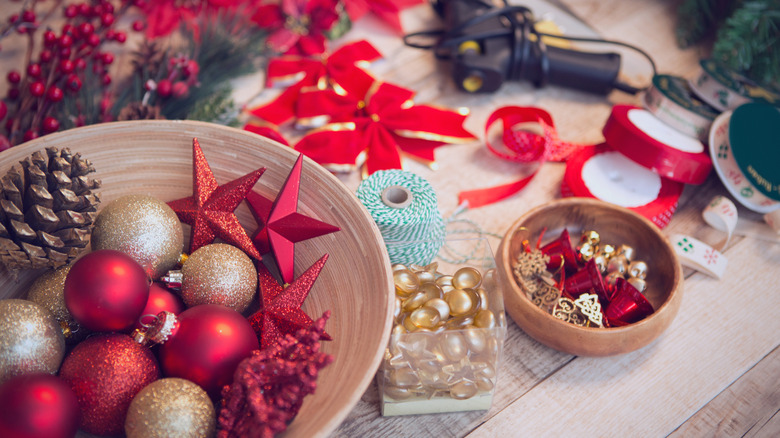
(280, 313)
(281, 226)
(268, 387)
(210, 209)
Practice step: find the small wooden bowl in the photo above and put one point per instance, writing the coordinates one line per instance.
(356, 284)
(615, 225)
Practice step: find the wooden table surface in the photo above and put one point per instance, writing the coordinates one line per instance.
(714, 372)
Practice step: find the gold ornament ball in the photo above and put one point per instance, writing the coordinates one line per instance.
(219, 274)
(142, 227)
(48, 291)
(171, 407)
(31, 340)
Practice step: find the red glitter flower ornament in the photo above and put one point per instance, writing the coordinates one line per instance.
(280, 313)
(385, 10)
(297, 27)
(280, 224)
(210, 209)
(385, 125)
(269, 387)
(340, 69)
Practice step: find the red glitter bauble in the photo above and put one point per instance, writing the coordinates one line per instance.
(106, 291)
(207, 347)
(160, 299)
(38, 406)
(106, 372)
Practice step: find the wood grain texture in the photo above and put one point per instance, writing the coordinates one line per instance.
(748, 407)
(155, 158)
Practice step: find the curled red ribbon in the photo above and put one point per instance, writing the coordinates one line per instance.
(521, 145)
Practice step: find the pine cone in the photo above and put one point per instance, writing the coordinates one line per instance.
(47, 209)
(139, 111)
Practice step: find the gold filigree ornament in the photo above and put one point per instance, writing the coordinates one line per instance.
(590, 306)
(531, 263)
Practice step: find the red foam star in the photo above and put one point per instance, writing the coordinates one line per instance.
(280, 313)
(210, 209)
(280, 224)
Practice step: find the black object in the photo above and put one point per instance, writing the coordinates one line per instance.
(488, 45)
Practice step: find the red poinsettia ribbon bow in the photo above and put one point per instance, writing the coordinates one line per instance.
(384, 126)
(337, 70)
(528, 136)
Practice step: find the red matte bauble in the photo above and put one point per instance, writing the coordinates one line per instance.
(160, 299)
(106, 291)
(38, 406)
(105, 372)
(210, 342)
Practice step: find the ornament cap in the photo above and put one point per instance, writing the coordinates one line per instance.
(158, 331)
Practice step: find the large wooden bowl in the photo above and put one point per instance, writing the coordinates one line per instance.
(155, 158)
(616, 225)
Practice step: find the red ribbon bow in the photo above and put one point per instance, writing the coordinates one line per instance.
(520, 144)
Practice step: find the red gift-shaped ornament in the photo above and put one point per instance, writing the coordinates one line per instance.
(585, 280)
(561, 253)
(628, 305)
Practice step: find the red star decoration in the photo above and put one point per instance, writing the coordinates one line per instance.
(281, 226)
(280, 313)
(210, 209)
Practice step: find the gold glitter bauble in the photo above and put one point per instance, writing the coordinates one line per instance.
(219, 274)
(48, 291)
(171, 407)
(142, 227)
(31, 340)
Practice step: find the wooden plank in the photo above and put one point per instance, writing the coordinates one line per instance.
(723, 329)
(745, 408)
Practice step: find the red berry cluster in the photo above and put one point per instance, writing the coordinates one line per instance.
(66, 59)
(182, 74)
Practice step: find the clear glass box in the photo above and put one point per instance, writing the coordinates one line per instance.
(434, 364)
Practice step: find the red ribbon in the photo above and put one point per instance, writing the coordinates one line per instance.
(521, 145)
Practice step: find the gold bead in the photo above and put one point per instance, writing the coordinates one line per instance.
(425, 277)
(466, 278)
(607, 250)
(463, 390)
(425, 317)
(397, 393)
(618, 263)
(485, 319)
(405, 282)
(431, 291)
(476, 338)
(398, 330)
(484, 303)
(638, 283)
(441, 306)
(459, 322)
(398, 267)
(403, 378)
(626, 251)
(415, 301)
(462, 301)
(637, 269)
(444, 280)
(590, 237)
(408, 324)
(454, 346)
(398, 305)
(484, 384)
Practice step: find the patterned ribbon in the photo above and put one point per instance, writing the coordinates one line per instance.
(520, 144)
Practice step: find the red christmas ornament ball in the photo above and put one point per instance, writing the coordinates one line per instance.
(160, 299)
(105, 372)
(210, 342)
(38, 406)
(106, 291)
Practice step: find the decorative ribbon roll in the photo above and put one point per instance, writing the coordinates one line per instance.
(642, 137)
(528, 136)
(698, 255)
(603, 173)
(725, 89)
(671, 99)
(721, 214)
(405, 208)
(730, 173)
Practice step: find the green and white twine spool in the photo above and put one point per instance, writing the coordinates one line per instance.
(405, 208)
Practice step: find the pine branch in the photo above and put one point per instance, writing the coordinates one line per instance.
(698, 20)
(749, 41)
